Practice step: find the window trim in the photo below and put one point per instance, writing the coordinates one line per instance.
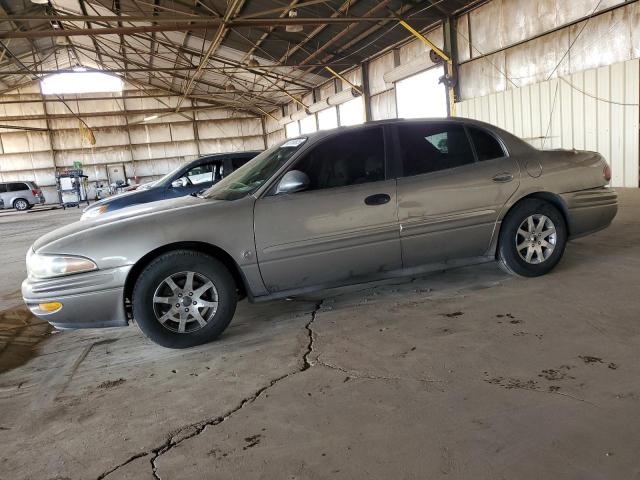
(387, 155)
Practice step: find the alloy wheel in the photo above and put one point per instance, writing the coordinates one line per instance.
(536, 239)
(185, 302)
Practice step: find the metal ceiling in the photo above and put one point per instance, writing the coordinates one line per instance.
(196, 49)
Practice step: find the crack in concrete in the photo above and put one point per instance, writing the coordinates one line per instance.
(370, 376)
(196, 429)
(127, 462)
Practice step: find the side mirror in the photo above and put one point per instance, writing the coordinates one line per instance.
(293, 181)
(179, 183)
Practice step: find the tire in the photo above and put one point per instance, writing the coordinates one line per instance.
(539, 251)
(166, 315)
(21, 204)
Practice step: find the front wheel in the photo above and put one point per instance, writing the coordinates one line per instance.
(184, 298)
(532, 238)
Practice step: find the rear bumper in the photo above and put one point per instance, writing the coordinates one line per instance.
(89, 300)
(590, 210)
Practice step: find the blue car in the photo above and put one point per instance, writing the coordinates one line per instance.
(185, 180)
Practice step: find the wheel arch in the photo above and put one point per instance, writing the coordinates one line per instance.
(13, 202)
(203, 247)
(549, 197)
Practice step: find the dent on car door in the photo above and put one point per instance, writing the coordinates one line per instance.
(449, 198)
(343, 226)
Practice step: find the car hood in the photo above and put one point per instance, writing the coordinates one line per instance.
(110, 199)
(128, 213)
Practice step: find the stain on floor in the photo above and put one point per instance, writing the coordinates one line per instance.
(20, 334)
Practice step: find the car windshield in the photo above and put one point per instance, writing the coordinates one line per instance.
(251, 176)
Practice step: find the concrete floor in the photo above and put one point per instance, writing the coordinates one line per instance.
(467, 374)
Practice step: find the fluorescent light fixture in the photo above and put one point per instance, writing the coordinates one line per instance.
(152, 117)
(80, 81)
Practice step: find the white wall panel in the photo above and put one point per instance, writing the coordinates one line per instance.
(592, 110)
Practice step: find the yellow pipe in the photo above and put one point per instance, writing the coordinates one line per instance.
(426, 41)
(336, 74)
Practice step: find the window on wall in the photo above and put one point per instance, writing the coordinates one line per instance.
(308, 124)
(328, 119)
(422, 95)
(352, 112)
(292, 130)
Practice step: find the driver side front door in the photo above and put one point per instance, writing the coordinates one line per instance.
(342, 228)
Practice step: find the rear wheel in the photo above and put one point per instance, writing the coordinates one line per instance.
(21, 204)
(184, 298)
(532, 238)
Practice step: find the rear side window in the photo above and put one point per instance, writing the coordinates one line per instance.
(17, 187)
(237, 162)
(427, 148)
(487, 147)
(349, 158)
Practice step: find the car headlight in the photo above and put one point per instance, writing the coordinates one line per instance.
(49, 266)
(94, 212)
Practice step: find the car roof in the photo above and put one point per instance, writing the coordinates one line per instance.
(512, 142)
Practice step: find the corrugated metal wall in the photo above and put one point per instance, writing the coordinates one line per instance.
(148, 149)
(592, 110)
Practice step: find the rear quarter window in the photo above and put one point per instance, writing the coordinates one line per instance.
(486, 145)
(17, 187)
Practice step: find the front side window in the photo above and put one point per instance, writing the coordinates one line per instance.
(251, 176)
(200, 174)
(427, 148)
(348, 158)
(3, 187)
(487, 147)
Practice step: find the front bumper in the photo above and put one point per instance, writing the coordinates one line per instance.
(89, 300)
(590, 210)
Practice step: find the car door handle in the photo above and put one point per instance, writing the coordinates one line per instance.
(503, 178)
(377, 199)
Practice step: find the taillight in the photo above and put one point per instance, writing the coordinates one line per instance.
(35, 193)
(606, 172)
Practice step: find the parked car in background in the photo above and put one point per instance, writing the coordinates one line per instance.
(333, 208)
(190, 178)
(20, 195)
